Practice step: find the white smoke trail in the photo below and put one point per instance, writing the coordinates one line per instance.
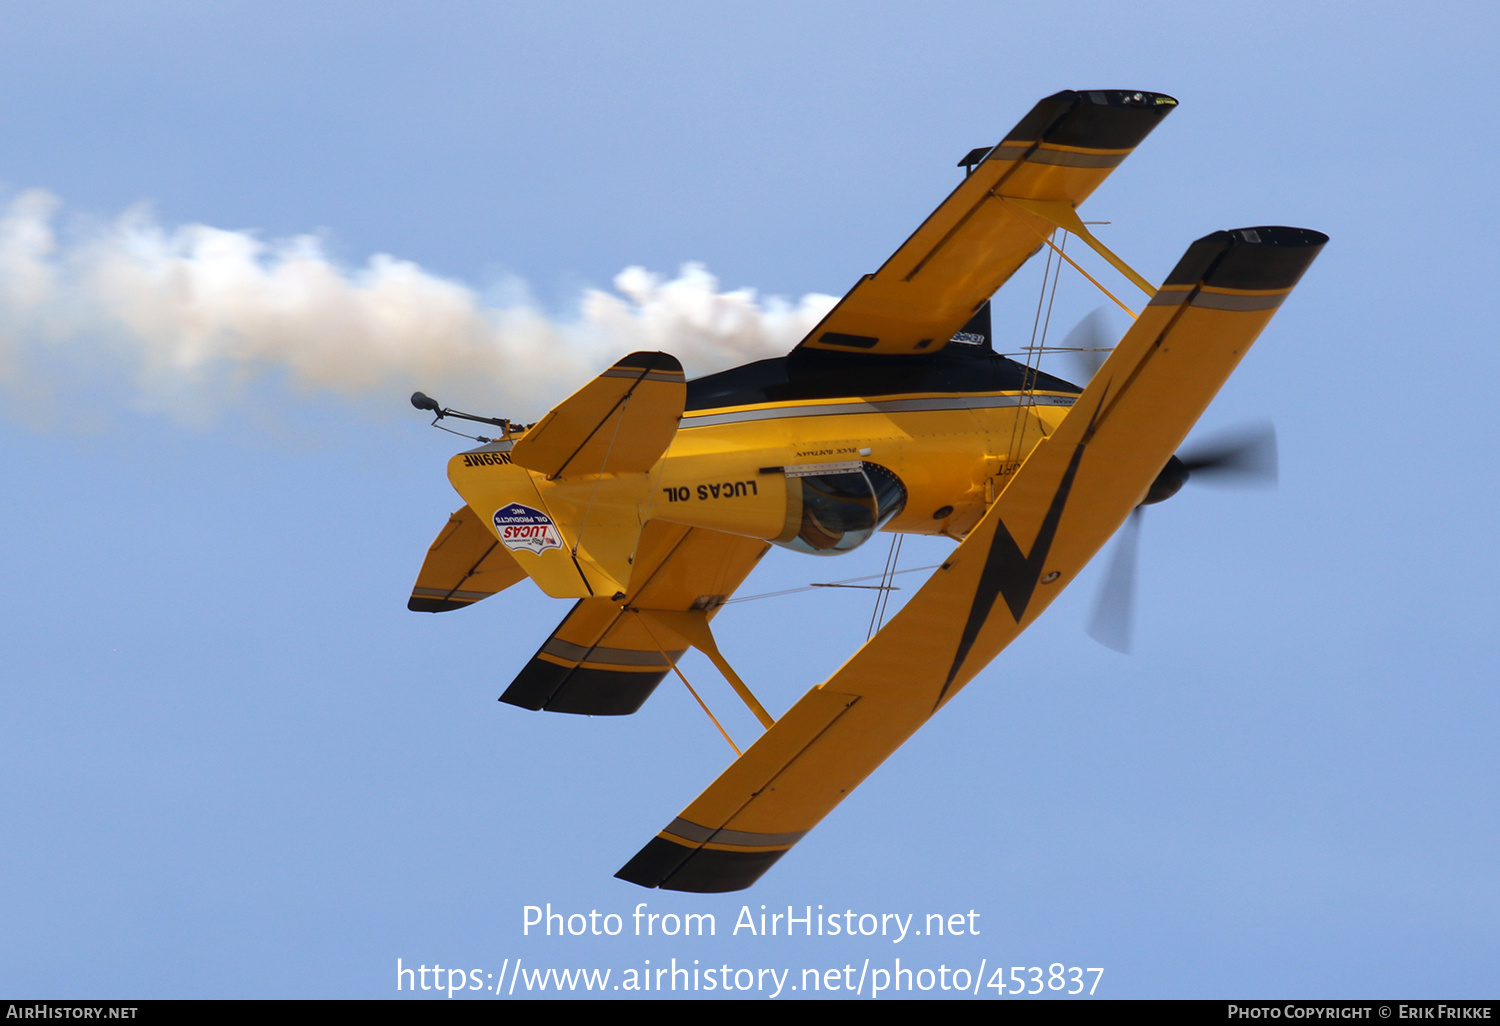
(192, 314)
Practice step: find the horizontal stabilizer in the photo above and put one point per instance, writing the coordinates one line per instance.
(465, 564)
(603, 659)
(599, 662)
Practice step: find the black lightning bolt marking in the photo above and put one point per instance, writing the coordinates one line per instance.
(1011, 573)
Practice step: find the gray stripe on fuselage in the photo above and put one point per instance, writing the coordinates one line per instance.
(974, 402)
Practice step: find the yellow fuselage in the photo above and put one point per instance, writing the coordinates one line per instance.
(738, 469)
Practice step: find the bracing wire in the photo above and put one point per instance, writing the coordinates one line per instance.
(460, 434)
(883, 597)
(1050, 274)
(620, 419)
(847, 582)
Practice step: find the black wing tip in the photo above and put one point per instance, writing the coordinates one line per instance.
(1103, 119)
(593, 692)
(1135, 98)
(1265, 257)
(436, 605)
(654, 863)
(1268, 235)
(675, 867)
(581, 690)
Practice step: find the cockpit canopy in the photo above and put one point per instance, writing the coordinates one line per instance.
(839, 506)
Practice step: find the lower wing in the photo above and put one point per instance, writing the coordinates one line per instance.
(464, 564)
(1074, 491)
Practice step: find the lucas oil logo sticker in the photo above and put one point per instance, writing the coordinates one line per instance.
(521, 527)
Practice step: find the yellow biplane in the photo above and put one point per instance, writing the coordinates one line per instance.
(649, 498)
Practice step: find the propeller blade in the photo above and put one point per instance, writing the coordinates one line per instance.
(1114, 609)
(1088, 344)
(1245, 458)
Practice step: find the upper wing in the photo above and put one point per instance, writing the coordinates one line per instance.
(465, 564)
(603, 660)
(622, 421)
(1071, 494)
(974, 241)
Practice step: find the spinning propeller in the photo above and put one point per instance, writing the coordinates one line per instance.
(1089, 343)
(1245, 457)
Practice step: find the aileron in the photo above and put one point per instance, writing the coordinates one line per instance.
(602, 660)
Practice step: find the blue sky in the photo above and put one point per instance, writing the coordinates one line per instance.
(233, 764)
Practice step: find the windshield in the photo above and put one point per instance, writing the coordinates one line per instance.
(839, 510)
